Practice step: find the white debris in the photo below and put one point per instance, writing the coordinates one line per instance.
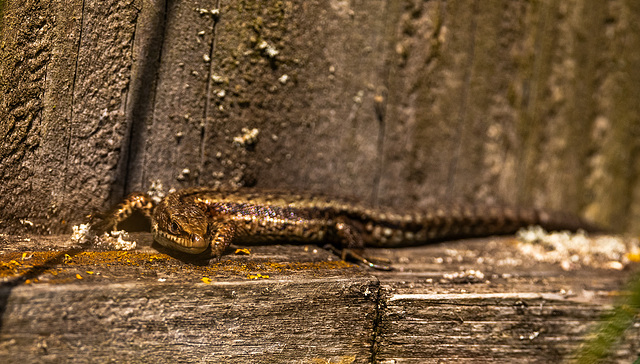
(115, 240)
(268, 49)
(571, 250)
(467, 276)
(156, 191)
(184, 174)
(81, 234)
(213, 12)
(249, 137)
(219, 79)
(26, 222)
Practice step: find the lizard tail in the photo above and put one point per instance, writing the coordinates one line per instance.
(458, 221)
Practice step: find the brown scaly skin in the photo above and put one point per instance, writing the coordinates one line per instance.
(110, 219)
(193, 220)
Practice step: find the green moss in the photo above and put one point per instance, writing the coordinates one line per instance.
(611, 330)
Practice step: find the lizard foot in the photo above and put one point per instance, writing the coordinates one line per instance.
(358, 256)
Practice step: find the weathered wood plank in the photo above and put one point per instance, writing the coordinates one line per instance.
(474, 300)
(145, 306)
(37, 68)
(511, 101)
(399, 103)
(147, 49)
(67, 70)
(275, 321)
(173, 148)
(296, 72)
(487, 301)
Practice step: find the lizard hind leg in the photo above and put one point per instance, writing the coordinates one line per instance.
(110, 219)
(353, 247)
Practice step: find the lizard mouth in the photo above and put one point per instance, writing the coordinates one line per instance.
(193, 244)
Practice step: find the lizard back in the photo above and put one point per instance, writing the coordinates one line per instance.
(262, 216)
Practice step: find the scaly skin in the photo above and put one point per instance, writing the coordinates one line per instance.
(193, 220)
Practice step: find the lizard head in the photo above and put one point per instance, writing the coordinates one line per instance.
(180, 226)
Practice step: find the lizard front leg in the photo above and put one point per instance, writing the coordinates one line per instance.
(223, 235)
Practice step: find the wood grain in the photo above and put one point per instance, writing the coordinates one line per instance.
(403, 103)
(290, 303)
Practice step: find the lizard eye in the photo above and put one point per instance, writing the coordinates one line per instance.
(174, 228)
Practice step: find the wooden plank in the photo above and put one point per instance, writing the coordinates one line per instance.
(50, 157)
(97, 120)
(396, 103)
(147, 48)
(173, 148)
(296, 72)
(62, 119)
(145, 306)
(37, 68)
(273, 321)
(471, 300)
(484, 99)
(486, 301)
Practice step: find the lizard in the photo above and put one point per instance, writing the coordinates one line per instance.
(195, 220)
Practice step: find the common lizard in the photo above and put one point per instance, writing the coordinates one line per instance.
(196, 219)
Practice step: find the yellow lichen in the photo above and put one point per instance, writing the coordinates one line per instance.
(258, 276)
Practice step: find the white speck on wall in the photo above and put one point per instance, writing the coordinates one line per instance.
(268, 49)
(248, 137)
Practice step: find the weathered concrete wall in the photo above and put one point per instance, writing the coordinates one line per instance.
(399, 103)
